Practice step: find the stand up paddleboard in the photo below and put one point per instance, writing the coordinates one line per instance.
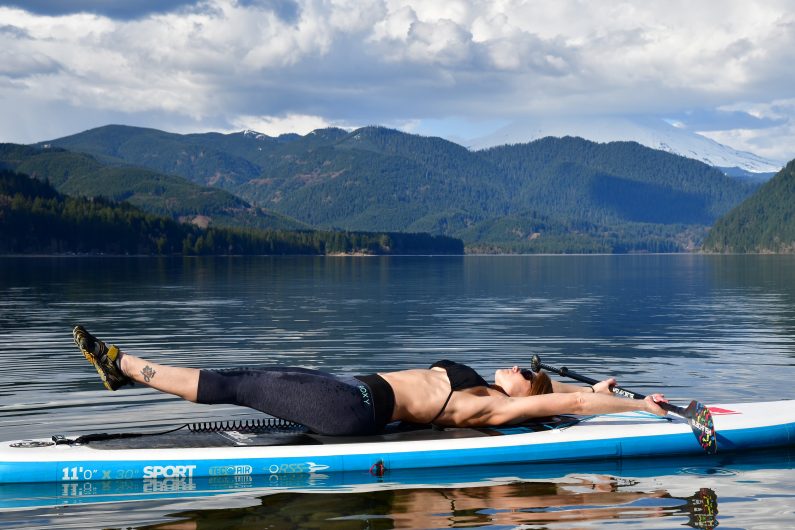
(276, 449)
(621, 473)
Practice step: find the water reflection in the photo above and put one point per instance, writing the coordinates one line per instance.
(707, 320)
(568, 503)
(697, 326)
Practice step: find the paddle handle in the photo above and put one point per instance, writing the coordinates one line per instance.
(697, 415)
(565, 372)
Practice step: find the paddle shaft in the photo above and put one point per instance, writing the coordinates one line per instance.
(565, 372)
(697, 415)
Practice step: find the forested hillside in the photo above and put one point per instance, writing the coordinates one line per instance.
(35, 219)
(157, 193)
(765, 222)
(552, 195)
(619, 180)
(191, 156)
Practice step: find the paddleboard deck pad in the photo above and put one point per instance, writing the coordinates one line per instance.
(276, 449)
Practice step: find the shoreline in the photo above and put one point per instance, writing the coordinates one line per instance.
(371, 255)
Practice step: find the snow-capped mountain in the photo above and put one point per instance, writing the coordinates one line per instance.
(256, 135)
(651, 132)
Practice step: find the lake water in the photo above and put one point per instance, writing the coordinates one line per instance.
(712, 328)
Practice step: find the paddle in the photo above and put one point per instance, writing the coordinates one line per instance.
(696, 414)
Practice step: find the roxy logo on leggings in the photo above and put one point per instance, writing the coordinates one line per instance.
(365, 395)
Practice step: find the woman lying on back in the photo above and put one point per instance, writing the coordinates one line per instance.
(446, 394)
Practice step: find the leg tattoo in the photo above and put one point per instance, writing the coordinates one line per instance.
(148, 373)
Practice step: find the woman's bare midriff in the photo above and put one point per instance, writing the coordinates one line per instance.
(420, 394)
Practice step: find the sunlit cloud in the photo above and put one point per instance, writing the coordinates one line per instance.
(271, 64)
(275, 126)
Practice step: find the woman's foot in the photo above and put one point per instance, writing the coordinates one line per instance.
(102, 357)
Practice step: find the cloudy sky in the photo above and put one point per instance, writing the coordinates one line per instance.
(457, 68)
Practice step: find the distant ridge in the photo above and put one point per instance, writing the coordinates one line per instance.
(550, 195)
(651, 132)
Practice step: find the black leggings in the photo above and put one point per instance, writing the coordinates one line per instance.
(321, 401)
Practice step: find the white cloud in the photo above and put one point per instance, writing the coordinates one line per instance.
(775, 109)
(13, 65)
(274, 126)
(443, 42)
(395, 25)
(775, 141)
(404, 61)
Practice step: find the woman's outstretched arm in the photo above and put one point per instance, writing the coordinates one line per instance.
(602, 386)
(519, 409)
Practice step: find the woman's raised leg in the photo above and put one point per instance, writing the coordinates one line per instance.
(118, 369)
(182, 382)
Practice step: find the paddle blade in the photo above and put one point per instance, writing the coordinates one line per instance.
(703, 508)
(700, 420)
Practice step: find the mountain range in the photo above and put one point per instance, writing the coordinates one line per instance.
(550, 195)
(649, 131)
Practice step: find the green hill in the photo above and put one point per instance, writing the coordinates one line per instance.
(592, 197)
(157, 193)
(207, 159)
(35, 219)
(618, 181)
(763, 223)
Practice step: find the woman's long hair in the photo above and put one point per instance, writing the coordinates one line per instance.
(540, 382)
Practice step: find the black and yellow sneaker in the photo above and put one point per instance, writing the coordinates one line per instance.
(102, 357)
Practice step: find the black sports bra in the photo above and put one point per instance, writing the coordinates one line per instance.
(461, 377)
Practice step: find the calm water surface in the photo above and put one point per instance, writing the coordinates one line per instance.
(713, 328)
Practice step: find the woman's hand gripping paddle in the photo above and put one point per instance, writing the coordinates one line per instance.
(696, 414)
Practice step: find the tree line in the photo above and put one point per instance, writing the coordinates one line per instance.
(35, 219)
